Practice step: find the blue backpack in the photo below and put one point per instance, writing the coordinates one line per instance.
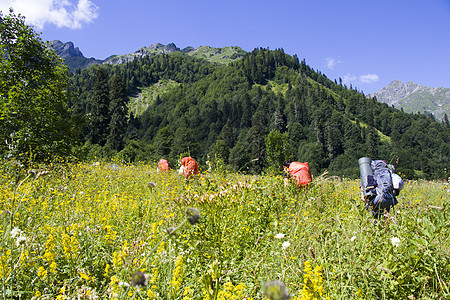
(384, 189)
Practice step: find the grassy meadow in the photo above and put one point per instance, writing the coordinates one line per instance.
(106, 231)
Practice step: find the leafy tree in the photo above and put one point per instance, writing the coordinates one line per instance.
(100, 116)
(119, 112)
(34, 116)
(277, 148)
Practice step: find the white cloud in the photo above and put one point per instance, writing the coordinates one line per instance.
(353, 79)
(62, 13)
(368, 78)
(349, 78)
(331, 62)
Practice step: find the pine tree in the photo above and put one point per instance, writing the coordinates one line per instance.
(246, 119)
(227, 134)
(372, 142)
(334, 136)
(258, 141)
(119, 110)
(163, 141)
(445, 121)
(184, 142)
(279, 119)
(100, 117)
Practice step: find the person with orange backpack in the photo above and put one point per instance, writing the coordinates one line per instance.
(298, 171)
(189, 167)
(163, 166)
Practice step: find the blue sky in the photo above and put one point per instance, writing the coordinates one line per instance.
(366, 43)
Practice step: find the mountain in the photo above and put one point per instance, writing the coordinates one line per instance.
(73, 56)
(414, 98)
(237, 113)
(76, 60)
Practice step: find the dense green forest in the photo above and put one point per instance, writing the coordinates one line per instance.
(250, 114)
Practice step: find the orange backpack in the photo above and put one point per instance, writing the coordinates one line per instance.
(163, 165)
(190, 166)
(301, 173)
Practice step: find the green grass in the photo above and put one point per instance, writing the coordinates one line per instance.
(223, 55)
(147, 95)
(84, 229)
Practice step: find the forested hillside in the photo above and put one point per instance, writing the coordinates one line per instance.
(250, 114)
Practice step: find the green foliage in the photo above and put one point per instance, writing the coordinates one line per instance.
(277, 149)
(34, 117)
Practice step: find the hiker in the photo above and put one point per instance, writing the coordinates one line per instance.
(379, 186)
(298, 171)
(163, 166)
(189, 167)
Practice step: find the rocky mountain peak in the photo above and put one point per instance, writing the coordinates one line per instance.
(66, 50)
(413, 97)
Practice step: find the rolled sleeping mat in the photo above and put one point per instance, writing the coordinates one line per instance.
(367, 180)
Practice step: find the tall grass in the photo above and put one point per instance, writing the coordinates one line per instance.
(86, 231)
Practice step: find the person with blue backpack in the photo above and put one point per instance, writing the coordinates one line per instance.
(380, 186)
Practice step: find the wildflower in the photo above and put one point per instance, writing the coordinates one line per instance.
(312, 282)
(139, 279)
(193, 215)
(42, 273)
(280, 235)
(276, 290)
(395, 241)
(16, 232)
(177, 276)
(21, 240)
(353, 238)
(151, 184)
(285, 245)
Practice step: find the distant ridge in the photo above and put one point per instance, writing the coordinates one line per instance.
(415, 98)
(75, 59)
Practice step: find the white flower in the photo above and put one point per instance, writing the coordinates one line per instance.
(16, 232)
(353, 238)
(21, 240)
(285, 245)
(280, 235)
(395, 241)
